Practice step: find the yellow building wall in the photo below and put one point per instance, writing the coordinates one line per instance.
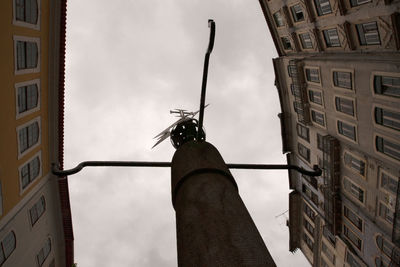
(9, 162)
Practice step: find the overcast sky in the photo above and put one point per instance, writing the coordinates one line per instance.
(128, 63)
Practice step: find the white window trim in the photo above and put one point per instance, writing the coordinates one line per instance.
(381, 170)
(381, 154)
(342, 113)
(26, 39)
(349, 193)
(38, 120)
(343, 136)
(322, 97)
(385, 128)
(17, 85)
(356, 234)
(348, 220)
(345, 151)
(316, 124)
(353, 87)
(25, 24)
(22, 191)
(319, 73)
(372, 85)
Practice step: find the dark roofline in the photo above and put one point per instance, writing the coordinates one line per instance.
(63, 183)
(271, 28)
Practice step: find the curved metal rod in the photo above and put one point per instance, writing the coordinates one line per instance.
(211, 25)
(56, 171)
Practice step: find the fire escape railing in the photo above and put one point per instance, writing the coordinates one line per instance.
(331, 177)
(301, 104)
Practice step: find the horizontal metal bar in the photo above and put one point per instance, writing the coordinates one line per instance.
(56, 171)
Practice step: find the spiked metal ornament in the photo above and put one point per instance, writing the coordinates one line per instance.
(183, 116)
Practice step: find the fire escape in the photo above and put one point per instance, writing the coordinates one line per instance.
(331, 176)
(298, 87)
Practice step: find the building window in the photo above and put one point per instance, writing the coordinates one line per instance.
(312, 75)
(385, 213)
(308, 227)
(303, 132)
(27, 98)
(388, 118)
(26, 11)
(387, 147)
(7, 247)
(306, 190)
(352, 217)
(388, 183)
(44, 252)
(315, 96)
(314, 198)
(304, 152)
(352, 237)
(344, 105)
(385, 246)
(323, 7)
(286, 43)
(30, 171)
(387, 85)
(37, 210)
(297, 13)
(354, 163)
(328, 253)
(298, 108)
(353, 190)
(342, 79)
(27, 55)
(306, 41)
(359, 2)
(292, 70)
(352, 260)
(318, 118)
(295, 89)
(368, 33)
(28, 136)
(347, 130)
(308, 241)
(331, 37)
(312, 180)
(278, 19)
(309, 212)
(320, 143)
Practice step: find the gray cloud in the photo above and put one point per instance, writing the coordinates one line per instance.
(128, 64)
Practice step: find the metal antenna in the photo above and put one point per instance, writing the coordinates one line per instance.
(211, 25)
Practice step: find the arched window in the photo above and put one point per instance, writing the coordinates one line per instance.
(27, 97)
(27, 55)
(26, 11)
(30, 171)
(28, 136)
(7, 247)
(44, 252)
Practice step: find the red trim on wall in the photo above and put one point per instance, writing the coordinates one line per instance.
(63, 183)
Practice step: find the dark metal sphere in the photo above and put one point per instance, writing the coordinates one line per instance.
(186, 131)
